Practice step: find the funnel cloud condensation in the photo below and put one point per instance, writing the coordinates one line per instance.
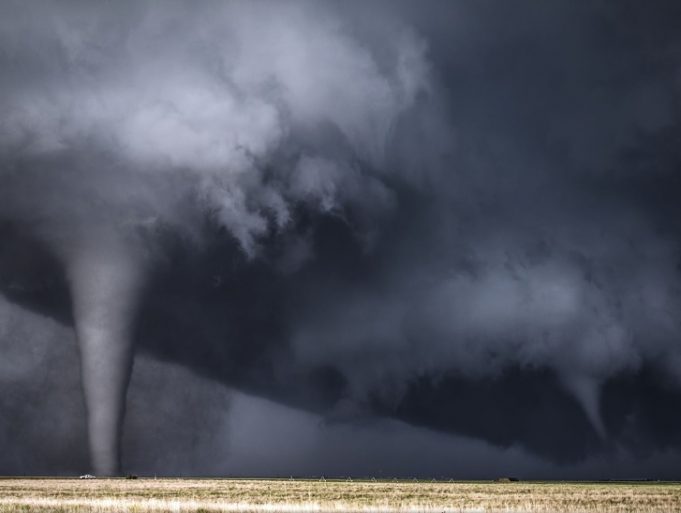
(460, 218)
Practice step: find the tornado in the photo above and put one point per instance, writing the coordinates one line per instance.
(105, 283)
(586, 389)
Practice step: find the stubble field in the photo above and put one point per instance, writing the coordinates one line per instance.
(246, 495)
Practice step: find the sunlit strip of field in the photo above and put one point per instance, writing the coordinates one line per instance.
(209, 495)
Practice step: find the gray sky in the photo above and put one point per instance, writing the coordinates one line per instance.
(451, 226)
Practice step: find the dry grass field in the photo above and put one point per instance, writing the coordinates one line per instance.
(209, 495)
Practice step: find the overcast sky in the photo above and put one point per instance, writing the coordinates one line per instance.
(389, 238)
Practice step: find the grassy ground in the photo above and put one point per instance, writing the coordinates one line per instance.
(208, 495)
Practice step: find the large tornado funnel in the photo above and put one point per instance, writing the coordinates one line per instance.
(104, 286)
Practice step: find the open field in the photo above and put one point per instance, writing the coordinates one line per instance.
(245, 495)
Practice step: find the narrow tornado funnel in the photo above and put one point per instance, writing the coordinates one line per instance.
(104, 284)
(587, 391)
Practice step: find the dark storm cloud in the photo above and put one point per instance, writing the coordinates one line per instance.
(464, 216)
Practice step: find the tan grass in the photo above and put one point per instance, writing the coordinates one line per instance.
(241, 495)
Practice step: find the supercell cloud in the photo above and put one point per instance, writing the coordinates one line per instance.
(461, 217)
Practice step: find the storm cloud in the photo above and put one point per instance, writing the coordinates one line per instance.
(462, 216)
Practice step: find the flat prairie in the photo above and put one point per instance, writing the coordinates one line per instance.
(271, 495)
